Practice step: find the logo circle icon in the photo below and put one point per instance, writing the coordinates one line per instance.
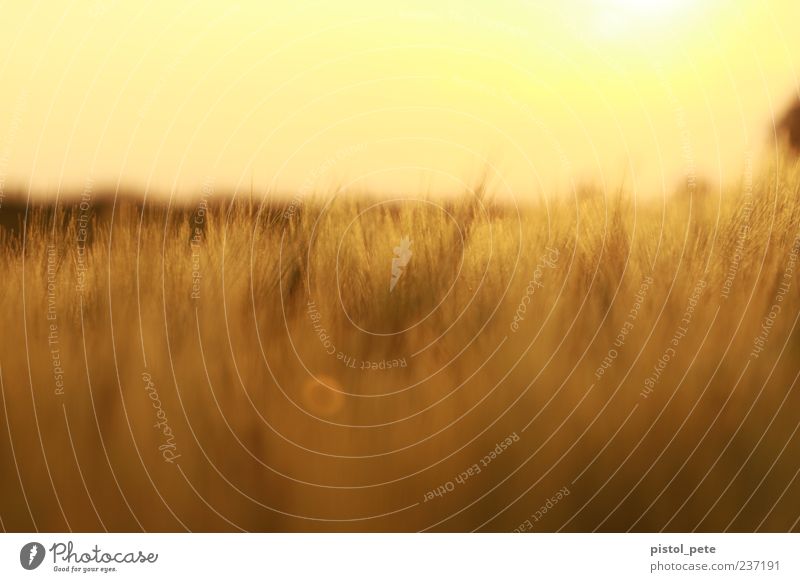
(31, 555)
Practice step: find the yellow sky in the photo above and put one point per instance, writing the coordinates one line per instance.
(390, 96)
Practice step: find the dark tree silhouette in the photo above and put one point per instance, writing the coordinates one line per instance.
(789, 127)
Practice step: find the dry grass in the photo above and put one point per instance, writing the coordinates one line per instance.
(240, 372)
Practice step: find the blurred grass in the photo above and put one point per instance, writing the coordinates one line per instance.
(274, 433)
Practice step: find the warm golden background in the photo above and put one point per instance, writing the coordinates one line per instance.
(212, 318)
(392, 96)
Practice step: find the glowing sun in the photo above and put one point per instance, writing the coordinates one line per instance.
(638, 18)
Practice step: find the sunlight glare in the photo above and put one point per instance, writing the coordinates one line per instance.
(620, 19)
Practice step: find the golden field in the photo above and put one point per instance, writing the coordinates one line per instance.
(603, 362)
